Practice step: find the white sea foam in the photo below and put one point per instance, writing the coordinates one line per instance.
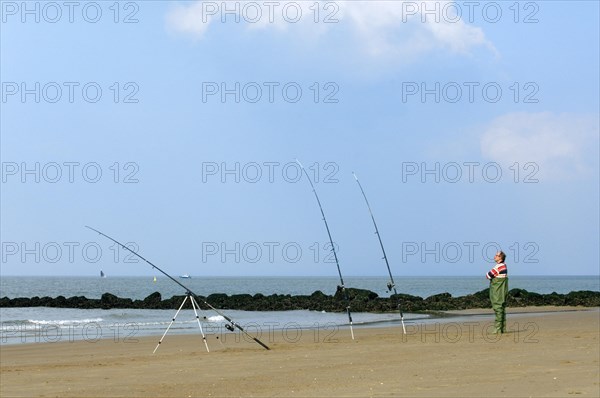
(65, 322)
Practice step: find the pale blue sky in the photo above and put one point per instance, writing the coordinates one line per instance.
(178, 216)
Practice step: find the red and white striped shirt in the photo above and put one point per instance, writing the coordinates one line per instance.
(499, 271)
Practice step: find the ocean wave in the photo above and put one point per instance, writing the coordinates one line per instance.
(65, 322)
(33, 324)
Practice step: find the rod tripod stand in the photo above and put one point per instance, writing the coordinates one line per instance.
(188, 295)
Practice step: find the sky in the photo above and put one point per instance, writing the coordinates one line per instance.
(174, 127)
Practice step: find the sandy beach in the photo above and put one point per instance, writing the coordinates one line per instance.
(546, 352)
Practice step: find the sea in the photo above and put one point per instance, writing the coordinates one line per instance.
(52, 325)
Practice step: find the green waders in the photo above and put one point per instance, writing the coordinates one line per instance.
(498, 294)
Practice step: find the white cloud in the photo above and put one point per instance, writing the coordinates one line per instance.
(391, 29)
(189, 19)
(404, 28)
(563, 146)
(459, 37)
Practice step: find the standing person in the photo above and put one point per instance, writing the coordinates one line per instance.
(498, 277)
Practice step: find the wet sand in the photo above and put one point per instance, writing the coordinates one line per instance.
(551, 353)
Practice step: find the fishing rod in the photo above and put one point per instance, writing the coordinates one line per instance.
(391, 284)
(229, 326)
(341, 287)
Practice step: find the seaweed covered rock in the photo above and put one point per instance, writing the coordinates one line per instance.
(354, 294)
(84, 303)
(584, 298)
(439, 302)
(218, 300)
(107, 301)
(522, 298)
(406, 302)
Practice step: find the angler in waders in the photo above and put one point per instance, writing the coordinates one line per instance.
(498, 277)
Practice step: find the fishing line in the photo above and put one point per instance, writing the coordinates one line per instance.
(391, 284)
(341, 287)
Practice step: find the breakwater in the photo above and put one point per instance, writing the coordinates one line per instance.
(360, 300)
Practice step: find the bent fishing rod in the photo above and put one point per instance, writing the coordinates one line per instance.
(341, 287)
(229, 326)
(391, 284)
